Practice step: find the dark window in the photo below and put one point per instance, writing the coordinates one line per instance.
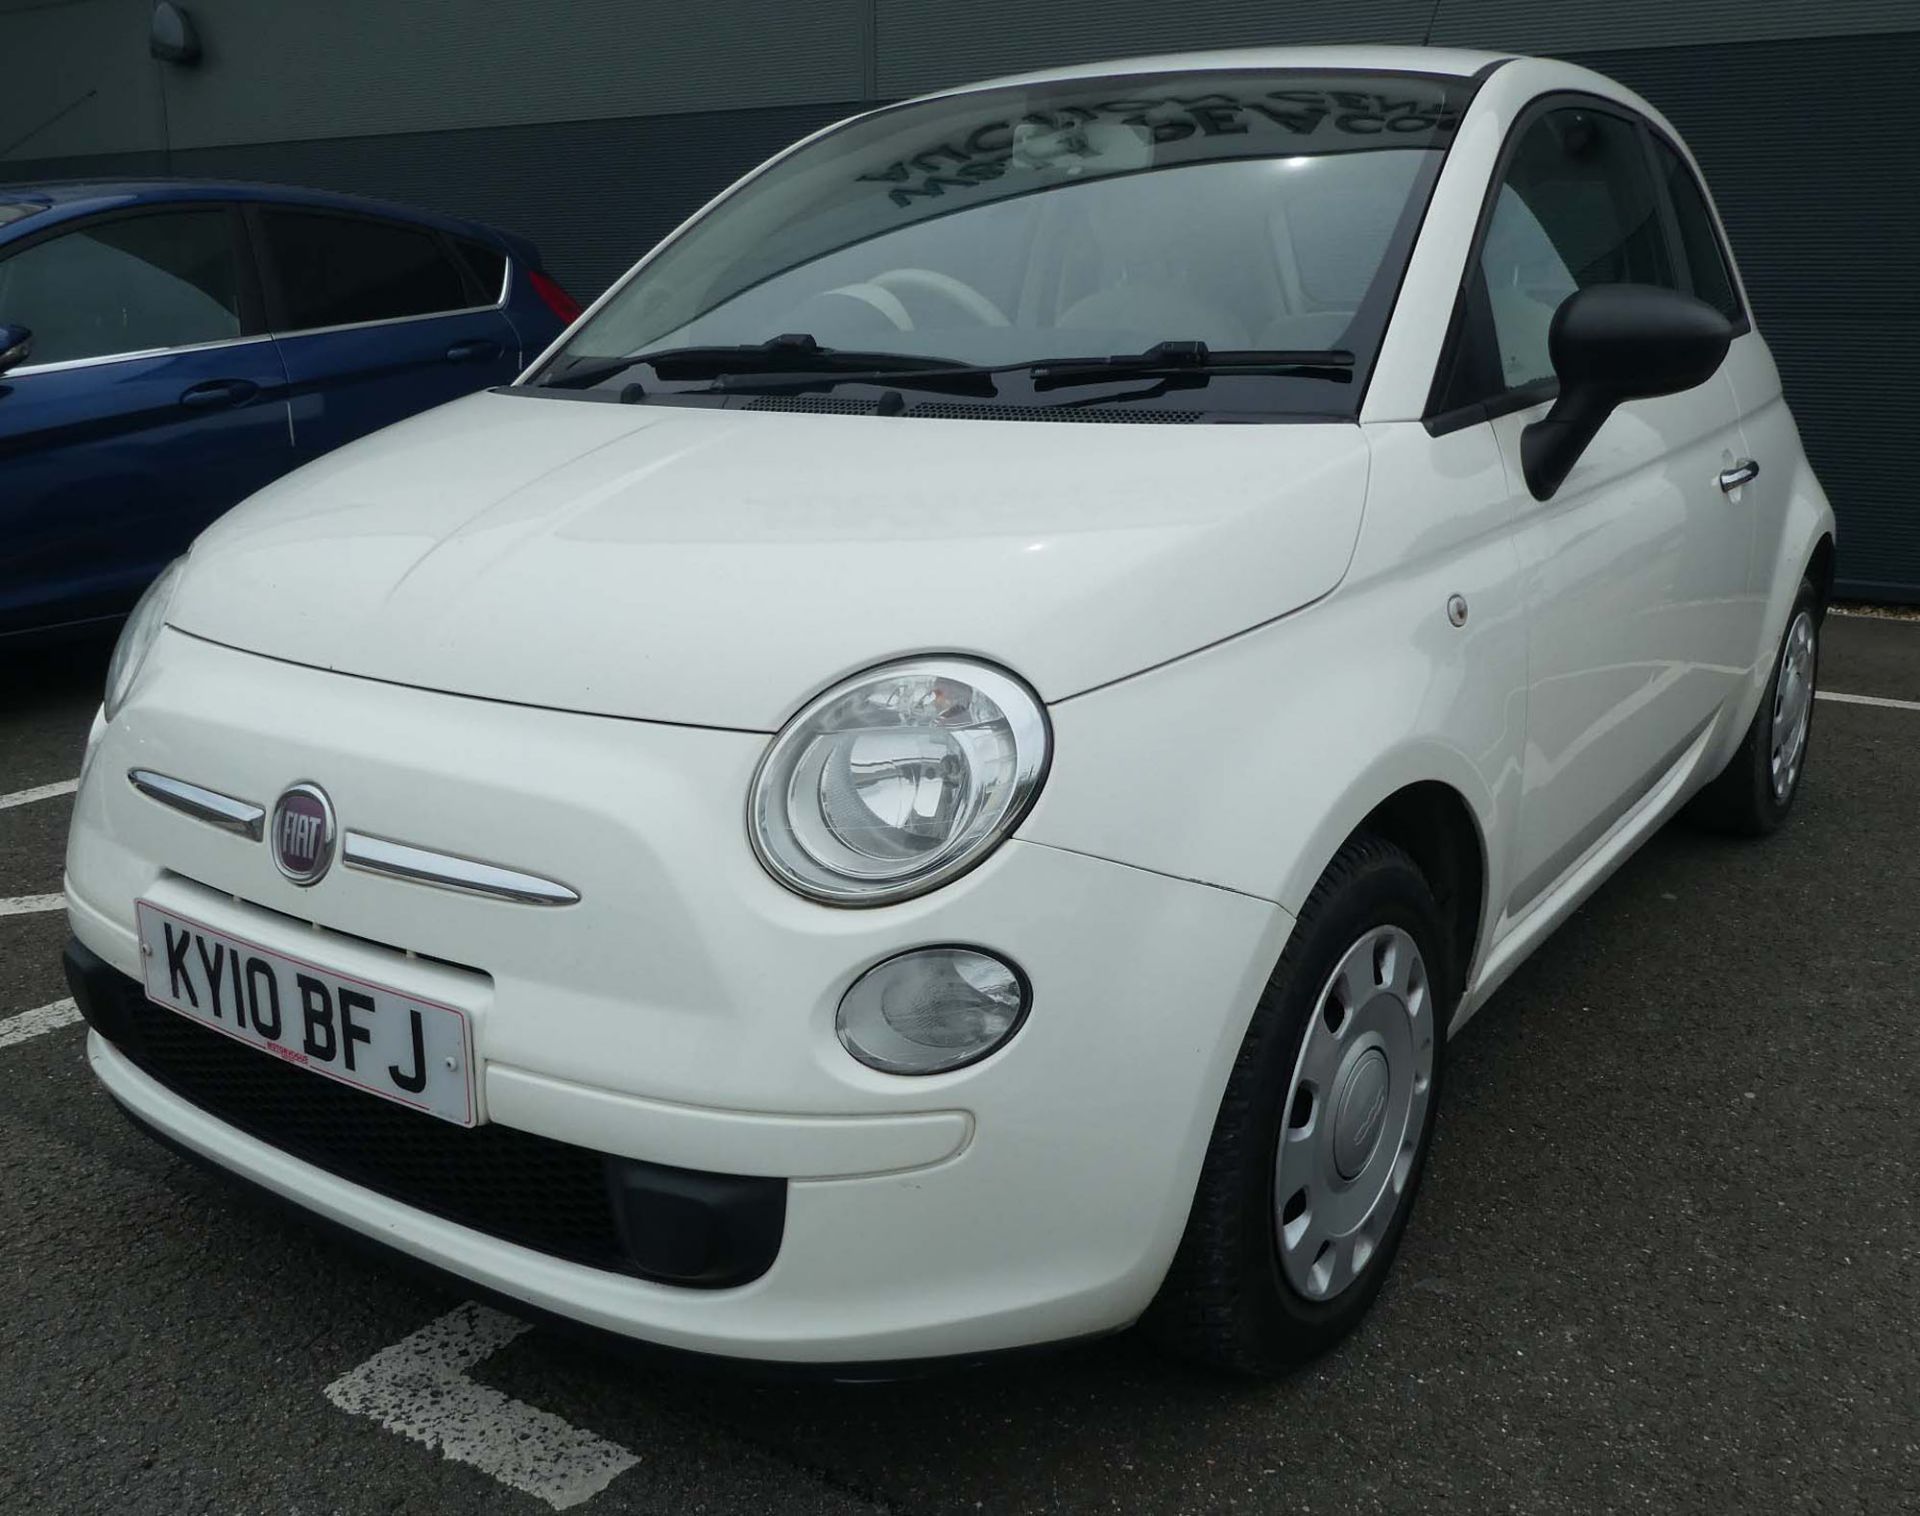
(337, 270)
(125, 286)
(489, 266)
(1577, 208)
(1699, 241)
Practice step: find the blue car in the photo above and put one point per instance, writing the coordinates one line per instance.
(168, 347)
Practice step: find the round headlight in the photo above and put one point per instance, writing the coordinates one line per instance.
(931, 1010)
(892, 783)
(136, 637)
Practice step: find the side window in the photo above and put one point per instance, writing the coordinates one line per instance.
(339, 270)
(1577, 208)
(488, 266)
(126, 286)
(1699, 241)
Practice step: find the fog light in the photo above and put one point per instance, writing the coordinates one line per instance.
(932, 1010)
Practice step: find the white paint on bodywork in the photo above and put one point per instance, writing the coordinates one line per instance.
(419, 1388)
(719, 568)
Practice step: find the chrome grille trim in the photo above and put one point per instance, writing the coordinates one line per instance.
(241, 817)
(398, 860)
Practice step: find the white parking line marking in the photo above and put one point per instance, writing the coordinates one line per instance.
(48, 1018)
(44, 792)
(419, 1388)
(1880, 700)
(27, 905)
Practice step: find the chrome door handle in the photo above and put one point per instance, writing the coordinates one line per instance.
(1743, 472)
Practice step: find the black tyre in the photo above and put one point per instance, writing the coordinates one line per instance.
(1756, 790)
(1323, 1131)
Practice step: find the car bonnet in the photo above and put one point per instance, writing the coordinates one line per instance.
(718, 568)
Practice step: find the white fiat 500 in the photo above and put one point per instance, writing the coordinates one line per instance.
(936, 776)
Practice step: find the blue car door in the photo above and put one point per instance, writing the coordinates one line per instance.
(152, 401)
(375, 320)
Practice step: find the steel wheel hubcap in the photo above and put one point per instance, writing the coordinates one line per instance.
(1355, 1114)
(1792, 705)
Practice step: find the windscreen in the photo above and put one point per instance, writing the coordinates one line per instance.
(1250, 212)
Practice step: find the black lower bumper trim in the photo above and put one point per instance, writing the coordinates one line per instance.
(653, 1356)
(669, 1225)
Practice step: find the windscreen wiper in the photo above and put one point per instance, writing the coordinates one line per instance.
(1175, 359)
(790, 353)
(1179, 362)
(795, 361)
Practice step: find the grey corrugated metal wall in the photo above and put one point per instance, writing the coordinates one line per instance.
(595, 126)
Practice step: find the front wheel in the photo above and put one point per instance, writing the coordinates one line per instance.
(1323, 1130)
(1753, 794)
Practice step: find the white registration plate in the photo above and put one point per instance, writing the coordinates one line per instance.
(376, 1039)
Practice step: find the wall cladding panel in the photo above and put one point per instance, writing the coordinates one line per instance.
(275, 72)
(139, 165)
(78, 80)
(930, 44)
(1527, 26)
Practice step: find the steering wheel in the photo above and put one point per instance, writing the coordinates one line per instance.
(961, 296)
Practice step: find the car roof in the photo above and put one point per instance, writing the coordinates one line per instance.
(1456, 62)
(64, 199)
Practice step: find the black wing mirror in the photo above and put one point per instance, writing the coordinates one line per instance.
(16, 342)
(1611, 343)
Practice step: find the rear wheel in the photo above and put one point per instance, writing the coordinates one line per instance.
(1323, 1130)
(1753, 794)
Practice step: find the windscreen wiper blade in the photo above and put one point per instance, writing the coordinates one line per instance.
(791, 352)
(795, 361)
(1193, 362)
(1174, 359)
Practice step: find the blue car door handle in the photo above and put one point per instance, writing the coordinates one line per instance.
(215, 394)
(469, 352)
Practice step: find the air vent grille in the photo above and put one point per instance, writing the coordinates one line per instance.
(960, 410)
(952, 411)
(823, 403)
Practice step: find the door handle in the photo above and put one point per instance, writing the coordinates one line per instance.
(474, 351)
(216, 393)
(1743, 472)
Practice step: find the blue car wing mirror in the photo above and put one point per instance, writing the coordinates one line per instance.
(16, 344)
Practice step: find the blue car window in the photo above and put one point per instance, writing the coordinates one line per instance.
(341, 270)
(125, 286)
(488, 265)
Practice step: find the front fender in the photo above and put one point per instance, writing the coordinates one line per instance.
(1248, 764)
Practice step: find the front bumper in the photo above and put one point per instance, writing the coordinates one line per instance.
(682, 1013)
